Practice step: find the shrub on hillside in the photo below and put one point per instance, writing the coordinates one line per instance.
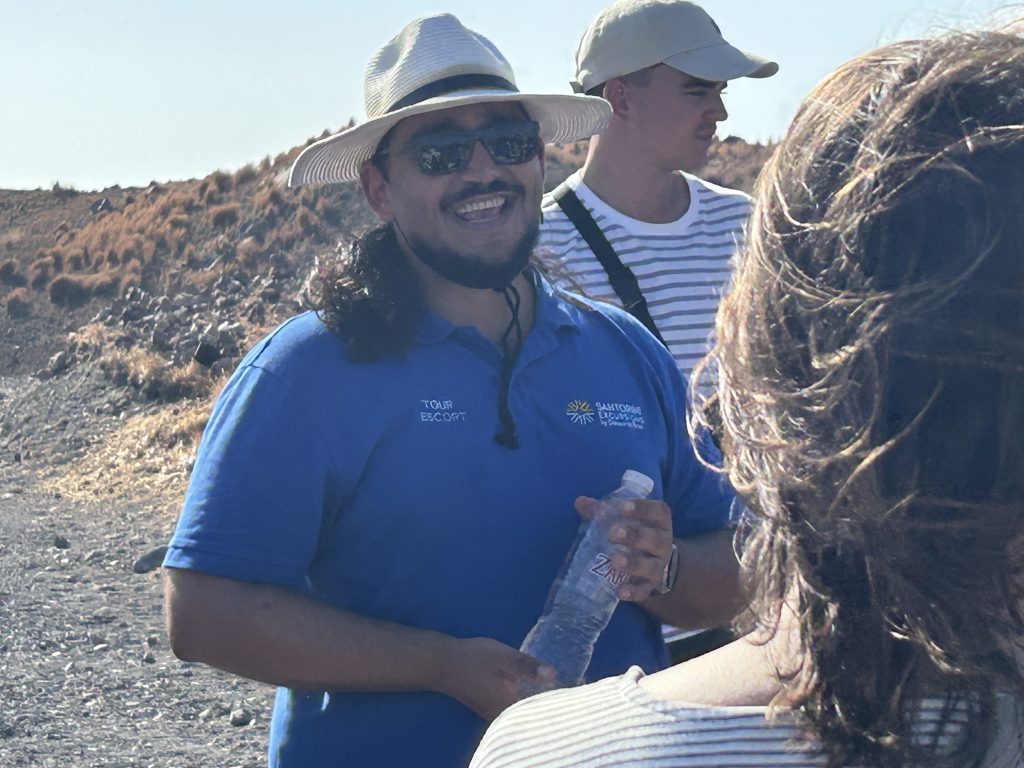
(131, 277)
(132, 250)
(10, 274)
(222, 181)
(76, 290)
(245, 174)
(248, 252)
(154, 377)
(19, 303)
(92, 339)
(39, 272)
(306, 224)
(332, 214)
(189, 256)
(224, 215)
(268, 198)
(207, 192)
(62, 192)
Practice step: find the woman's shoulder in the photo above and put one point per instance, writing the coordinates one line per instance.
(616, 723)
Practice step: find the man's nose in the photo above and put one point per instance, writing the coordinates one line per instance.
(717, 110)
(480, 164)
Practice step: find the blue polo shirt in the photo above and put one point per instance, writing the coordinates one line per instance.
(379, 488)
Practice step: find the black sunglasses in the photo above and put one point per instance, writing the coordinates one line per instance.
(447, 151)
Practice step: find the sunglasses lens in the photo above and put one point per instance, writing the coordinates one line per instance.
(441, 156)
(445, 152)
(513, 144)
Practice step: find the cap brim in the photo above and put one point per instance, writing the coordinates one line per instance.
(339, 157)
(722, 62)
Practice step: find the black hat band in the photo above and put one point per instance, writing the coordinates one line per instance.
(449, 84)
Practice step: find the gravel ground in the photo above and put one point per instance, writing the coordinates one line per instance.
(86, 676)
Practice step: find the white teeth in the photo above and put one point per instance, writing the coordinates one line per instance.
(480, 205)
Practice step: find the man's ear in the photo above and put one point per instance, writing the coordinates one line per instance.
(616, 94)
(377, 190)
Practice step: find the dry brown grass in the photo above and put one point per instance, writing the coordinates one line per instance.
(153, 376)
(12, 237)
(91, 339)
(139, 368)
(151, 453)
(155, 238)
(149, 456)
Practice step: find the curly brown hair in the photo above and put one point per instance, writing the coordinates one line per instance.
(870, 369)
(366, 292)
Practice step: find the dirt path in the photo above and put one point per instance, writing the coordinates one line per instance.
(86, 677)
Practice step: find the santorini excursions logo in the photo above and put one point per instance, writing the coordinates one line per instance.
(606, 414)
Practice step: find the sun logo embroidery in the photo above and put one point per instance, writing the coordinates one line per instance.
(579, 412)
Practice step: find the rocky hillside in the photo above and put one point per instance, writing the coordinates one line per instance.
(173, 264)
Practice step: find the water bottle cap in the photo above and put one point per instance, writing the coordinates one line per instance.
(638, 480)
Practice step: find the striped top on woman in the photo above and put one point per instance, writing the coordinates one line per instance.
(616, 723)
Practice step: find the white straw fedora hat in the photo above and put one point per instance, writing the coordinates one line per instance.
(436, 63)
(631, 35)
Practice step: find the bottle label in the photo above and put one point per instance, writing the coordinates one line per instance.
(602, 566)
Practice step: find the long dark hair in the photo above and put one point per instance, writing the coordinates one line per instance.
(366, 292)
(870, 366)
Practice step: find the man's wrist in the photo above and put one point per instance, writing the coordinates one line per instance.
(437, 654)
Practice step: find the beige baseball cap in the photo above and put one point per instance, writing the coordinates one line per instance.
(631, 35)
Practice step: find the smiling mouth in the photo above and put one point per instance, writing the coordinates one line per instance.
(482, 208)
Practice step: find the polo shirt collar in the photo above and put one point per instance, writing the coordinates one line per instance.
(551, 313)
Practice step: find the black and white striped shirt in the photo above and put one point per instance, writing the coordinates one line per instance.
(682, 267)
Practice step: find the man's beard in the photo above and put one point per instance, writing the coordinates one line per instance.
(475, 271)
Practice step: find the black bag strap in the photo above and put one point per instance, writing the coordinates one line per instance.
(622, 280)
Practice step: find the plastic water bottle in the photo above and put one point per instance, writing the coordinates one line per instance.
(584, 595)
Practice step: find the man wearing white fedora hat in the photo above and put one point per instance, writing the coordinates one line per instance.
(385, 490)
(634, 225)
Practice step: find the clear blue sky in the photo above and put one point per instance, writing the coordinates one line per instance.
(101, 92)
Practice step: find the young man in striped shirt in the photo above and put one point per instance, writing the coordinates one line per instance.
(662, 65)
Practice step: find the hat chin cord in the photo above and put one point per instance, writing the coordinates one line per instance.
(502, 283)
